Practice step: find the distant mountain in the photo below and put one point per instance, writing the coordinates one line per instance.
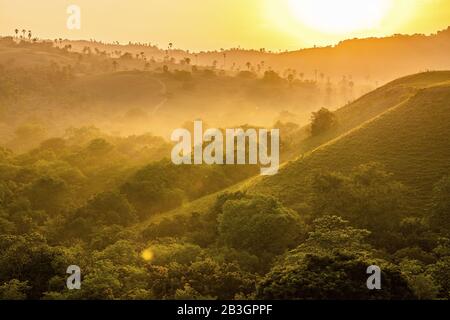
(370, 59)
(374, 60)
(381, 59)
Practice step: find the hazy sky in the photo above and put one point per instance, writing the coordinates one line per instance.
(214, 24)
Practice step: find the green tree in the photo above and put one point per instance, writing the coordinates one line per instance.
(440, 272)
(368, 197)
(332, 233)
(420, 279)
(221, 280)
(322, 121)
(49, 194)
(105, 209)
(259, 225)
(14, 290)
(30, 259)
(330, 276)
(440, 206)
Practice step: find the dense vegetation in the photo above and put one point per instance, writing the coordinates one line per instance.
(245, 246)
(368, 184)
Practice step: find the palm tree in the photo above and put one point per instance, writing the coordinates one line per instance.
(29, 35)
(16, 32)
(23, 32)
(290, 78)
(169, 47)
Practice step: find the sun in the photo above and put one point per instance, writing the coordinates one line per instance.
(340, 16)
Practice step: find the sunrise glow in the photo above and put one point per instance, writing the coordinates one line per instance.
(340, 16)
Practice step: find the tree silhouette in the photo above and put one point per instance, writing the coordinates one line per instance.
(87, 50)
(322, 121)
(290, 78)
(16, 32)
(29, 35)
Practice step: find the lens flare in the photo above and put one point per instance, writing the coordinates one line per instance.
(147, 255)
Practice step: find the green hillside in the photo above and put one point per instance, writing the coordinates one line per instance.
(369, 106)
(412, 140)
(402, 125)
(352, 210)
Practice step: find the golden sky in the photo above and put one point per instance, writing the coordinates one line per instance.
(214, 24)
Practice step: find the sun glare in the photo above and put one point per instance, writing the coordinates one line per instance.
(341, 16)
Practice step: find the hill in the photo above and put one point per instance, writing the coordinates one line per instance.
(371, 59)
(411, 140)
(56, 87)
(402, 125)
(369, 106)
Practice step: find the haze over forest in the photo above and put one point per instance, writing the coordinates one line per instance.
(86, 177)
(264, 86)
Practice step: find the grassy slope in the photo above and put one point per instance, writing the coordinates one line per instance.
(370, 105)
(403, 125)
(31, 57)
(412, 140)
